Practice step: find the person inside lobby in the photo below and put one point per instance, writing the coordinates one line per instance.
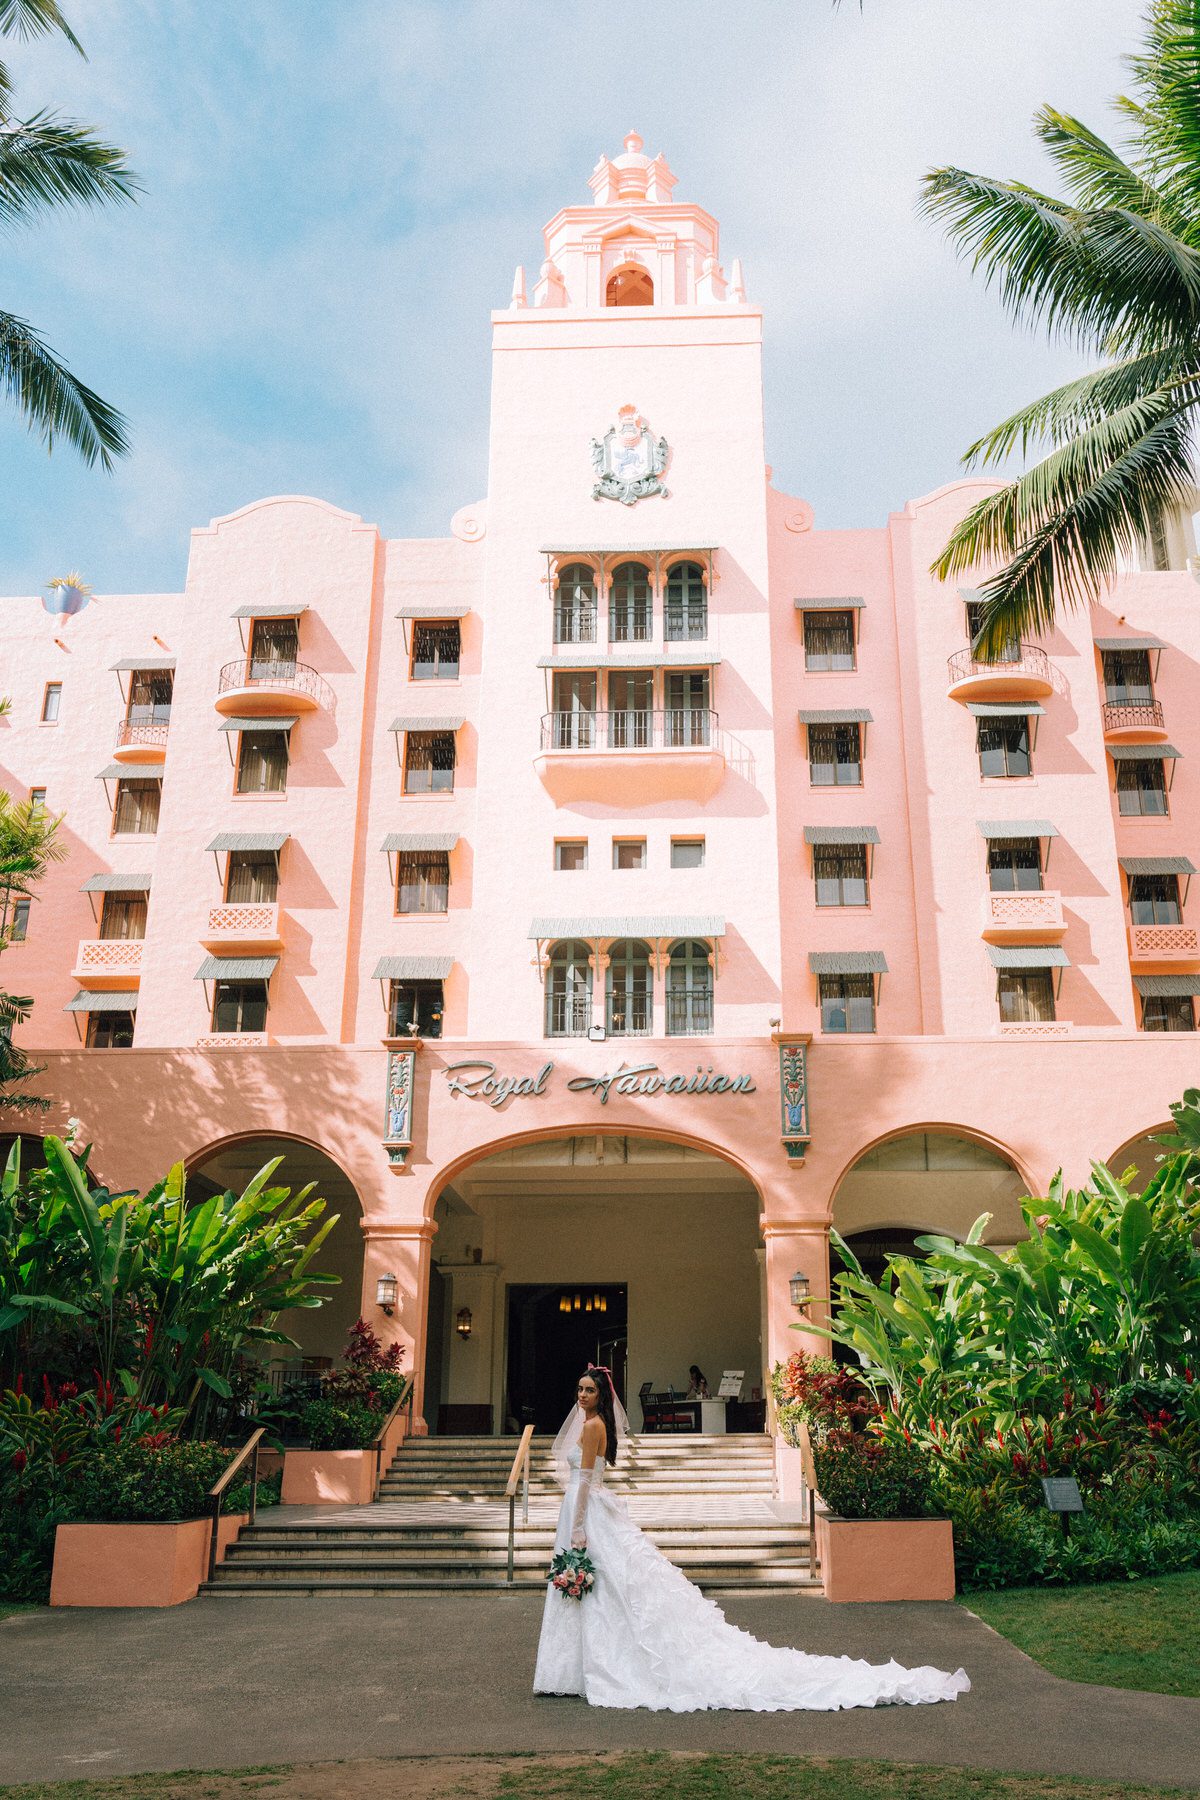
(697, 1385)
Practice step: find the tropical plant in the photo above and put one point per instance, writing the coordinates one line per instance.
(47, 161)
(29, 843)
(1112, 266)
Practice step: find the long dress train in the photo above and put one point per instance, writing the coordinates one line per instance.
(646, 1636)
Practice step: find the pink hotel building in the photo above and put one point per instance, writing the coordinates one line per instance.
(602, 900)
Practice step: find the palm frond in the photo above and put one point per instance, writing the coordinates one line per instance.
(1063, 527)
(1166, 73)
(1098, 276)
(47, 161)
(35, 18)
(1093, 173)
(55, 403)
(1077, 404)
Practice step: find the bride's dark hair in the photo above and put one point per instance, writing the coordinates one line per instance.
(604, 1388)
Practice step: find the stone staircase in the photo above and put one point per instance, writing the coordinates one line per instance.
(440, 1524)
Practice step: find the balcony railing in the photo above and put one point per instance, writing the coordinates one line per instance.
(689, 1015)
(108, 958)
(630, 625)
(678, 728)
(1018, 665)
(1013, 914)
(296, 679)
(135, 733)
(232, 1040)
(1035, 1028)
(568, 1017)
(625, 1017)
(1164, 943)
(1122, 716)
(575, 624)
(686, 624)
(243, 923)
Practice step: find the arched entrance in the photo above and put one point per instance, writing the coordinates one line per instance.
(635, 1252)
(319, 1332)
(931, 1179)
(1140, 1154)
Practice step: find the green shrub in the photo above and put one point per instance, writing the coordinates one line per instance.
(998, 1543)
(864, 1477)
(333, 1425)
(156, 1482)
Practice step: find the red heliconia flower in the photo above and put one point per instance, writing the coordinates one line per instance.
(1048, 1438)
(1043, 1466)
(999, 1437)
(116, 1434)
(907, 1435)
(21, 1383)
(920, 1381)
(1188, 1377)
(1078, 1440)
(19, 1460)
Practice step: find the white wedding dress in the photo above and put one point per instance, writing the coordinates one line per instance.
(645, 1636)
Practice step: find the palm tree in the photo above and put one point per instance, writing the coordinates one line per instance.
(1113, 267)
(47, 161)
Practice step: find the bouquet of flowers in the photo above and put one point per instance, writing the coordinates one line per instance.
(573, 1573)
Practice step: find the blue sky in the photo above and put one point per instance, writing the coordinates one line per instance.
(337, 192)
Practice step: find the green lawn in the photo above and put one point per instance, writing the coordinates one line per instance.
(1128, 1634)
(640, 1776)
(15, 1606)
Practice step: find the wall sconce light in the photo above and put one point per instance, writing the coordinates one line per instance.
(464, 1322)
(387, 1291)
(800, 1289)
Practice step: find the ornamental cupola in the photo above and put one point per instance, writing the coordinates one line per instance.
(634, 246)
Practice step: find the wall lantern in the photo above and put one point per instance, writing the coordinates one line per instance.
(464, 1322)
(800, 1289)
(387, 1292)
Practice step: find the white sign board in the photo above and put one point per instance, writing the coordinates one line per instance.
(731, 1384)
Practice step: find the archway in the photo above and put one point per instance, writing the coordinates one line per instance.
(930, 1179)
(1140, 1153)
(319, 1332)
(629, 286)
(637, 1252)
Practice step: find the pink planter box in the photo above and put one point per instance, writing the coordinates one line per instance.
(328, 1477)
(135, 1565)
(886, 1559)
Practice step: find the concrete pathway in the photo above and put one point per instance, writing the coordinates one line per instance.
(223, 1683)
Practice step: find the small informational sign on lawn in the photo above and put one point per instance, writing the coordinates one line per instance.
(1062, 1494)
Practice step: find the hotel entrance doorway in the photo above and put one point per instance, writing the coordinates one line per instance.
(554, 1331)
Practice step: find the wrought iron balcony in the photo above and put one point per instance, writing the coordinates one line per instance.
(108, 962)
(141, 740)
(258, 685)
(1132, 720)
(678, 728)
(1020, 672)
(1164, 944)
(620, 757)
(1023, 916)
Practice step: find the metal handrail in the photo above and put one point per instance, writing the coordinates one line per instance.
(216, 1493)
(1028, 660)
(637, 728)
(1132, 715)
(142, 731)
(259, 672)
(518, 1476)
(403, 1404)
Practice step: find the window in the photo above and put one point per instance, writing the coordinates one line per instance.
(1127, 677)
(840, 873)
(37, 798)
(1154, 900)
(18, 930)
(136, 810)
(630, 614)
(1026, 996)
(575, 605)
(1141, 787)
(627, 989)
(630, 709)
(415, 1002)
(1009, 651)
(569, 991)
(687, 853)
(123, 916)
(687, 602)
(847, 1002)
(423, 881)
(629, 287)
(689, 991)
(252, 878)
(150, 692)
(1168, 1012)
(109, 1031)
(262, 762)
(435, 652)
(51, 701)
(688, 720)
(629, 853)
(1014, 865)
(835, 755)
(828, 641)
(571, 853)
(1003, 746)
(575, 712)
(429, 762)
(274, 647)
(240, 1006)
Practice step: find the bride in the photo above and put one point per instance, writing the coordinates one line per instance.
(645, 1636)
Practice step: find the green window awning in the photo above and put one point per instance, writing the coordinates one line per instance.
(249, 840)
(99, 1001)
(147, 665)
(1028, 956)
(263, 722)
(651, 925)
(1130, 643)
(130, 772)
(118, 881)
(835, 603)
(1003, 829)
(689, 658)
(237, 968)
(841, 834)
(413, 968)
(1143, 752)
(837, 715)
(625, 549)
(847, 962)
(1157, 865)
(1009, 709)
(406, 723)
(269, 612)
(428, 612)
(1162, 987)
(419, 840)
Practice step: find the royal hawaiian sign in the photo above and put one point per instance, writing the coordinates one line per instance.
(479, 1080)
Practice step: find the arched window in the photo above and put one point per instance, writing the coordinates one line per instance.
(628, 990)
(575, 605)
(687, 602)
(629, 607)
(569, 990)
(630, 286)
(689, 991)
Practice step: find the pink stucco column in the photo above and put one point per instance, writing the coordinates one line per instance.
(794, 1246)
(403, 1250)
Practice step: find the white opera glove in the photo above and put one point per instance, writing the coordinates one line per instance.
(579, 1516)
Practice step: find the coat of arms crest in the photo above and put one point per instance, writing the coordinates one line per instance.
(628, 460)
